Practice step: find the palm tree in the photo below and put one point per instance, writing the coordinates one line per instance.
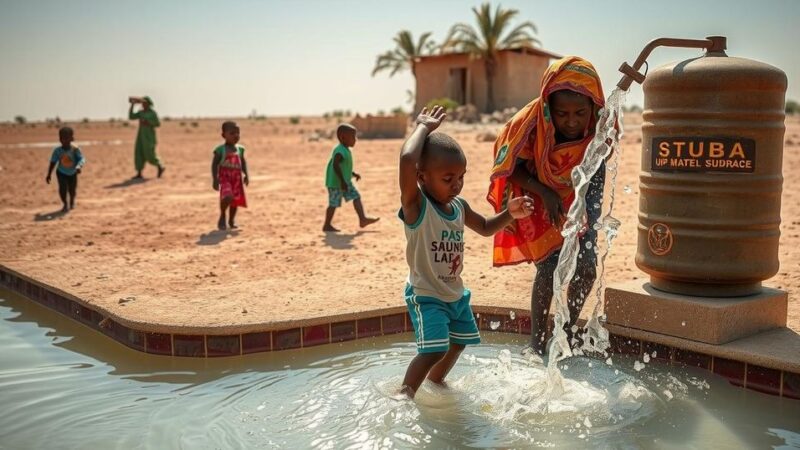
(488, 39)
(405, 54)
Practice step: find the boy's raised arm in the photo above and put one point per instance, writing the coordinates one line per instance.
(409, 157)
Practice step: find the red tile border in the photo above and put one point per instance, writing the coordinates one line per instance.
(343, 331)
(223, 345)
(763, 380)
(316, 335)
(189, 345)
(758, 378)
(287, 339)
(692, 359)
(256, 342)
(368, 327)
(525, 325)
(394, 323)
(132, 338)
(158, 343)
(622, 345)
(663, 353)
(731, 370)
(791, 385)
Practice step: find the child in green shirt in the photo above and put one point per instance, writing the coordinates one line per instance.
(338, 179)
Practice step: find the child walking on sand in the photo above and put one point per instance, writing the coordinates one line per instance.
(70, 161)
(432, 167)
(226, 169)
(338, 179)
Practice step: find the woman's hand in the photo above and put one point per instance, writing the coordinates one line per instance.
(554, 207)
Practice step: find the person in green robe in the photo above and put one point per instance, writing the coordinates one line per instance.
(145, 150)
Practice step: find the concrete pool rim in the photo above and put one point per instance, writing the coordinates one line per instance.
(741, 362)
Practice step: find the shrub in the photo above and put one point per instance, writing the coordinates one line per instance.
(448, 103)
(85, 120)
(398, 111)
(294, 120)
(20, 120)
(792, 107)
(195, 124)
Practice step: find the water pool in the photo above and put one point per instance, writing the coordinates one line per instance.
(63, 385)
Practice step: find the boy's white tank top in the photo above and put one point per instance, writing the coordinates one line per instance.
(435, 251)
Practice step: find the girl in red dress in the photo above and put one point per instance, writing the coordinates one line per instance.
(227, 168)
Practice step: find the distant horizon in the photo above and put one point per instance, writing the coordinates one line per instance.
(281, 63)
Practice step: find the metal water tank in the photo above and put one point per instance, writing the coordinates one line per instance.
(710, 182)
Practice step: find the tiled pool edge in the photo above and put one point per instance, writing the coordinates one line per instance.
(739, 373)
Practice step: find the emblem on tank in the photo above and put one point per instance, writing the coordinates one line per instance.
(659, 239)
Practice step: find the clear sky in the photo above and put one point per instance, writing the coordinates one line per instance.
(83, 58)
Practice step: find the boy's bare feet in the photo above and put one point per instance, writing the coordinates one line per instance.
(330, 229)
(138, 176)
(232, 225)
(160, 171)
(368, 221)
(65, 208)
(221, 223)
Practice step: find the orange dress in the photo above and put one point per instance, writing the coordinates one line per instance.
(530, 137)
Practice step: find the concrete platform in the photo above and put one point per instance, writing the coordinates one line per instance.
(638, 305)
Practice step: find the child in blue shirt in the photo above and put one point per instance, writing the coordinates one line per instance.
(432, 167)
(69, 160)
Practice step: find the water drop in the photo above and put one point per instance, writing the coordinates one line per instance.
(646, 358)
(588, 245)
(683, 323)
(512, 315)
(587, 422)
(495, 324)
(637, 366)
(627, 189)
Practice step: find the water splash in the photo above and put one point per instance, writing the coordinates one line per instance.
(605, 141)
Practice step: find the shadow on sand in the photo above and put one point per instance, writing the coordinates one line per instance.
(128, 182)
(342, 241)
(44, 217)
(214, 237)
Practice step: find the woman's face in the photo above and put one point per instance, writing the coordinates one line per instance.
(571, 113)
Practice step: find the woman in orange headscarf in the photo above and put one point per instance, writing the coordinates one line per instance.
(534, 154)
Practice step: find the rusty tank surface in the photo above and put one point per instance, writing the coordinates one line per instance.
(711, 179)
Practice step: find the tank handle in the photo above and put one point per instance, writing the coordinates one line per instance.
(712, 44)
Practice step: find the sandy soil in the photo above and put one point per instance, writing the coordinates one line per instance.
(148, 252)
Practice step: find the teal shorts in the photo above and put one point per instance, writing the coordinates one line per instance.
(335, 195)
(438, 323)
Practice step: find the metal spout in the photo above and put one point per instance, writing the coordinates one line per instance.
(714, 45)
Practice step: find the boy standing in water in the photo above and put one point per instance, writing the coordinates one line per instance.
(70, 161)
(145, 150)
(432, 167)
(226, 169)
(338, 179)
